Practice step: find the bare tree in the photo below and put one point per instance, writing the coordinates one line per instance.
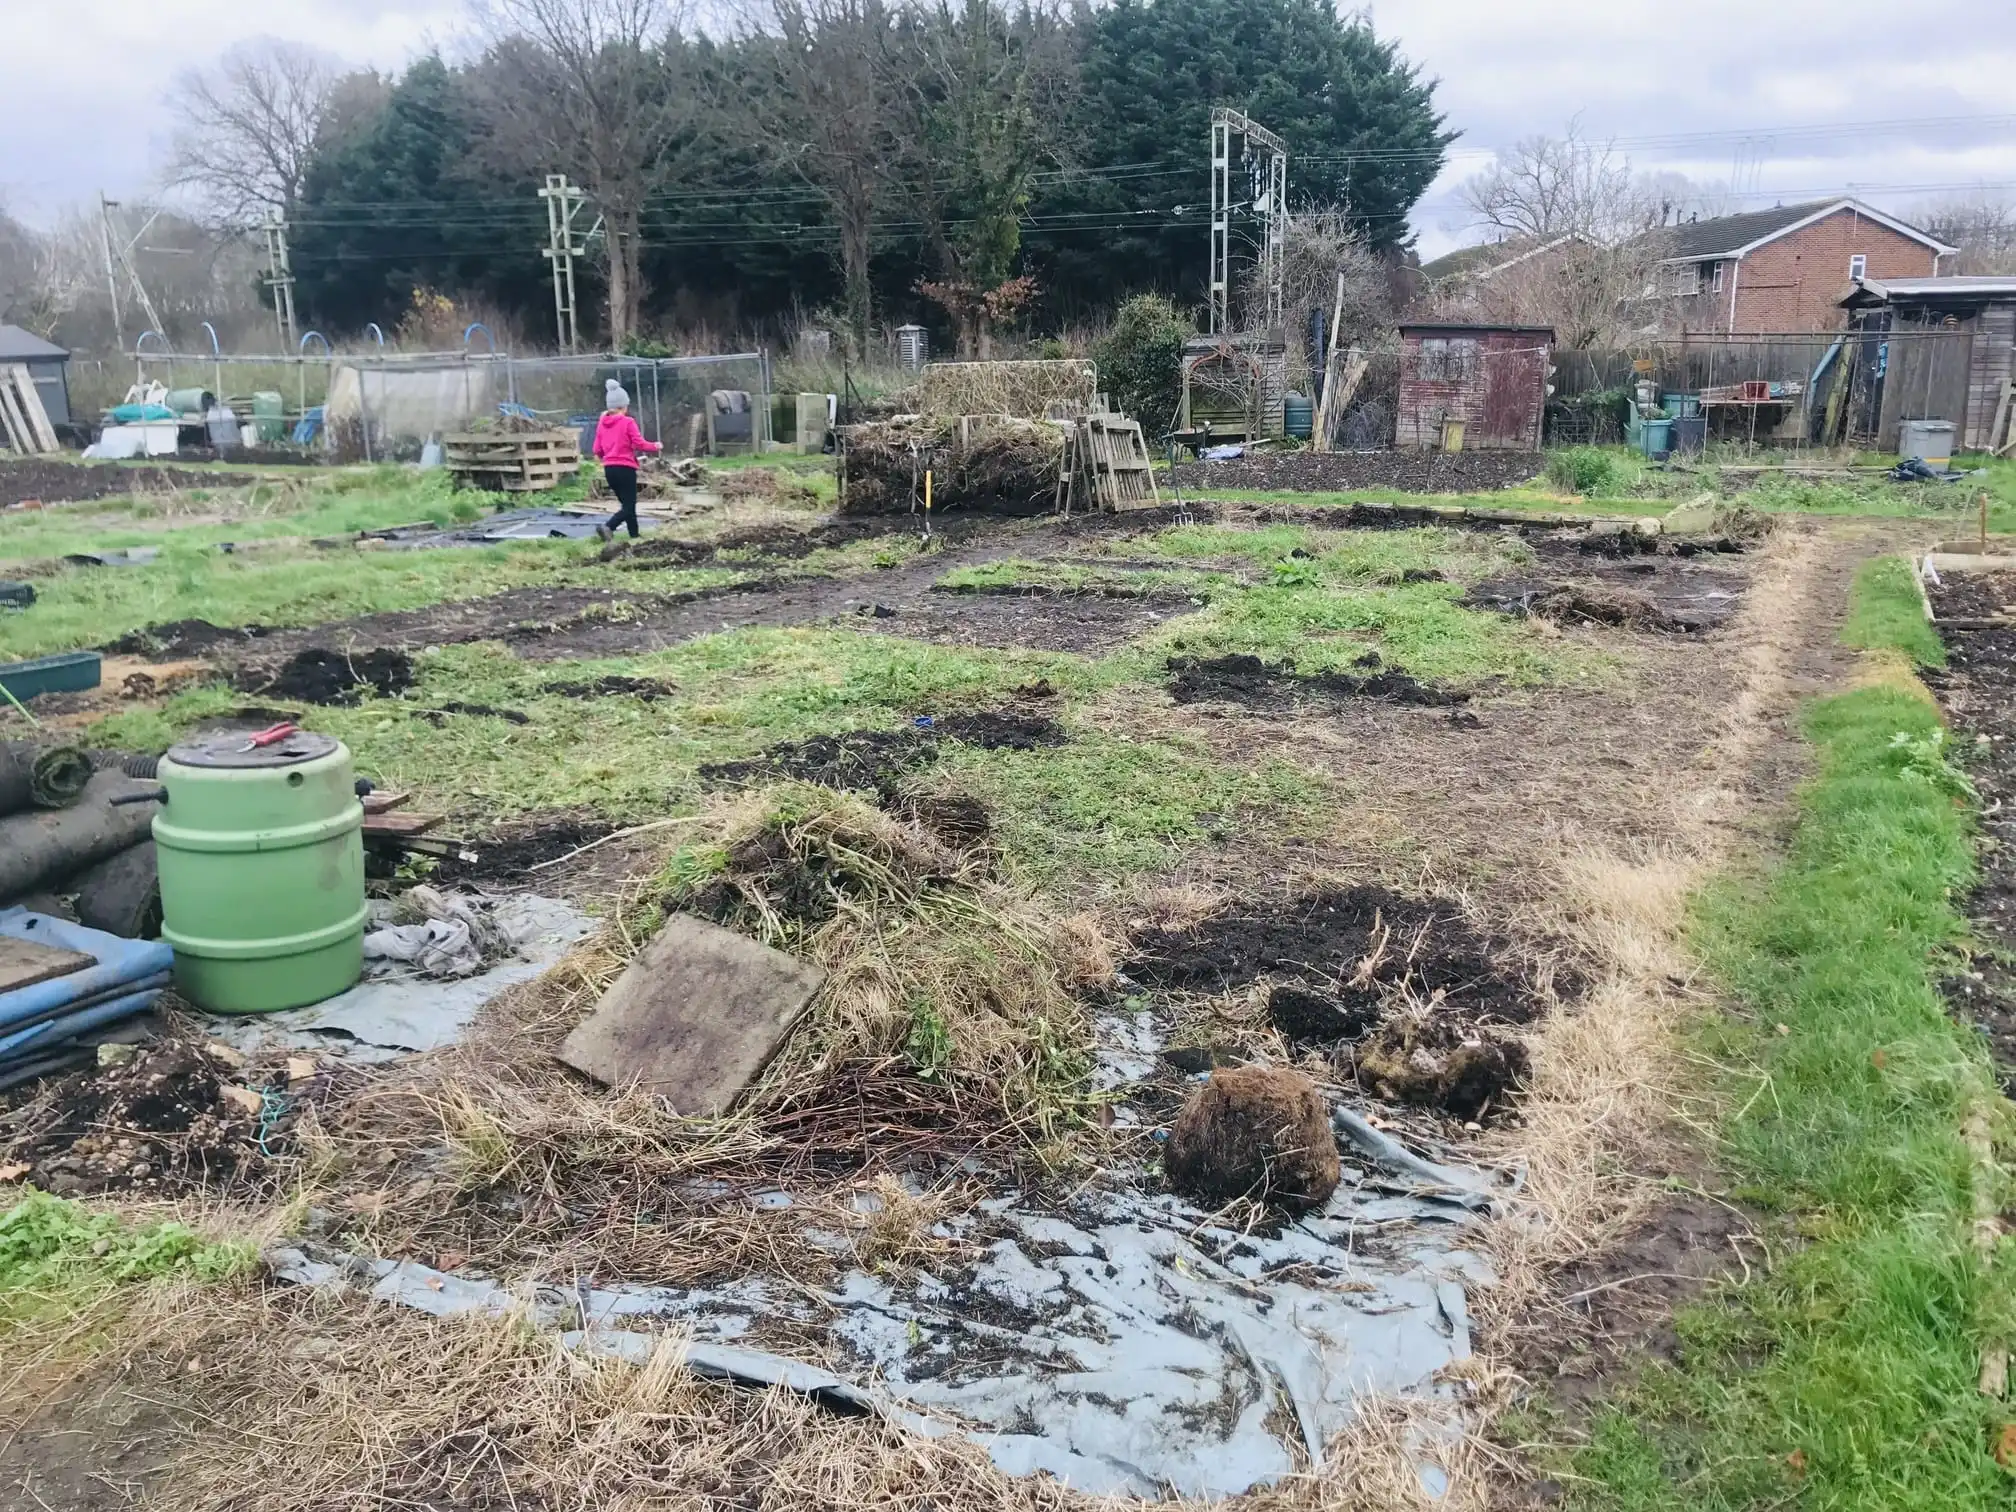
(602, 90)
(1983, 227)
(246, 127)
(1544, 187)
(823, 93)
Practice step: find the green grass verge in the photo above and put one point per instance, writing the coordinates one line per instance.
(1886, 613)
(1842, 1376)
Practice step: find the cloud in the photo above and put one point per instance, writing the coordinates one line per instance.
(81, 93)
(1760, 78)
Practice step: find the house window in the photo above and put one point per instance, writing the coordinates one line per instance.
(1716, 282)
(1683, 281)
(1446, 360)
(1858, 265)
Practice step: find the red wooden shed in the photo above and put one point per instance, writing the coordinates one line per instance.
(1491, 378)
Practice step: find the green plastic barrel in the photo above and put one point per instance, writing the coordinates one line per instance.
(261, 856)
(1298, 417)
(269, 417)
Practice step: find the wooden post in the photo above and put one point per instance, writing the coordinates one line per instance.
(1982, 500)
(1319, 439)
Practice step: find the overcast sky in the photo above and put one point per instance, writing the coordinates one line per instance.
(1793, 100)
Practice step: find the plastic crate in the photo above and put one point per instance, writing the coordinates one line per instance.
(69, 672)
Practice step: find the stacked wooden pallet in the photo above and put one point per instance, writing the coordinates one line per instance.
(512, 461)
(24, 424)
(1105, 465)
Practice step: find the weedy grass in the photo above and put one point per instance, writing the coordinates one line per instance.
(276, 505)
(87, 606)
(1844, 1374)
(56, 1257)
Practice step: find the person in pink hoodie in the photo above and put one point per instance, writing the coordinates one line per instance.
(617, 443)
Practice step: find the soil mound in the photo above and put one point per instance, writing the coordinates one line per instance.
(1570, 604)
(1254, 1131)
(1355, 945)
(157, 1122)
(321, 676)
(179, 638)
(1253, 684)
(506, 854)
(1437, 1060)
(1001, 730)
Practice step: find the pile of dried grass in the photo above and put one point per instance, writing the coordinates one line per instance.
(992, 465)
(285, 1402)
(948, 1025)
(931, 961)
(1027, 390)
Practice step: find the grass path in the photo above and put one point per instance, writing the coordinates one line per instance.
(1842, 1375)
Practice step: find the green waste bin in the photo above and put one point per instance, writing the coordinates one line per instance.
(261, 856)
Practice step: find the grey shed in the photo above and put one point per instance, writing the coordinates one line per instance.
(47, 363)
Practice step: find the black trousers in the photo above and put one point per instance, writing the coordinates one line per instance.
(623, 484)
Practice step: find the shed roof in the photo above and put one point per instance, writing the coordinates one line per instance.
(1953, 286)
(17, 345)
(1733, 235)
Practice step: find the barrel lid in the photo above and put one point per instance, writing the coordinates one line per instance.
(227, 748)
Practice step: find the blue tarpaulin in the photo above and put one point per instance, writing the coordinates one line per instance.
(127, 978)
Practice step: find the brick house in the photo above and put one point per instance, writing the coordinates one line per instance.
(1785, 269)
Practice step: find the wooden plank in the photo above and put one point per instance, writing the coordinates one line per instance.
(695, 1018)
(30, 399)
(13, 425)
(382, 802)
(398, 826)
(23, 963)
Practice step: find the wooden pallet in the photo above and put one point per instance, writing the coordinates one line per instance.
(1105, 466)
(24, 423)
(512, 461)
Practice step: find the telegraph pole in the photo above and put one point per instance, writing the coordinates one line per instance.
(120, 259)
(111, 278)
(280, 277)
(563, 203)
(1268, 180)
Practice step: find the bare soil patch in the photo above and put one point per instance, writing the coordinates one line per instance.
(1338, 472)
(877, 761)
(158, 1124)
(767, 543)
(1977, 690)
(69, 482)
(1254, 684)
(1354, 946)
(503, 856)
(321, 676)
(648, 689)
(1612, 1310)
